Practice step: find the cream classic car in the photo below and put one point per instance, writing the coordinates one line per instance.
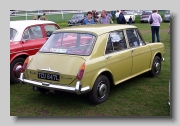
(90, 59)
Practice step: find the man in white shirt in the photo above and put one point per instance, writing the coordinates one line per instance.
(157, 19)
(117, 15)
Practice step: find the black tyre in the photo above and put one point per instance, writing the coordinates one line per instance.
(156, 67)
(100, 90)
(16, 69)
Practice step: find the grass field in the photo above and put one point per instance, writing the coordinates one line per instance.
(140, 96)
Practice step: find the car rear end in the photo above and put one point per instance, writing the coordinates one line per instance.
(60, 63)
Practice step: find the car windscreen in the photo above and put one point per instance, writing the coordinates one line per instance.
(77, 16)
(70, 43)
(146, 13)
(13, 33)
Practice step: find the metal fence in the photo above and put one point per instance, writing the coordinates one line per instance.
(53, 15)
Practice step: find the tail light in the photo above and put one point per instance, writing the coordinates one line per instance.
(81, 71)
(25, 64)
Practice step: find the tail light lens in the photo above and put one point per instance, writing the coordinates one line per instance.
(81, 71)
(25, 64)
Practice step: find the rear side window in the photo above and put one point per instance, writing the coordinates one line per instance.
(116, 42)
(70, 43)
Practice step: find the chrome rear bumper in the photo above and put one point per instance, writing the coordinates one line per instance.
(163, 59)
(77, 89)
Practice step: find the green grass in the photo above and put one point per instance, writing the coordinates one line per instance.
(140, 96)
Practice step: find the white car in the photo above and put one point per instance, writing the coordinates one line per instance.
(127, 15)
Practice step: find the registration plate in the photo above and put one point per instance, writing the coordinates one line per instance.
(47, 76)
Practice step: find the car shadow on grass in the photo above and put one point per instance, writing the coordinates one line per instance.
(65, 99)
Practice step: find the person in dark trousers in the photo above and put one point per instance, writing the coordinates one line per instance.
(130, 20)
(155, 26)
(121, 19)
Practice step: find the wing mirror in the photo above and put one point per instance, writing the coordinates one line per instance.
(49, 33)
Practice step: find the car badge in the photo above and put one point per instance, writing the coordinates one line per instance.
(48, 68)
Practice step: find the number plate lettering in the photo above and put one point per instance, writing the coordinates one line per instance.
(48, 76)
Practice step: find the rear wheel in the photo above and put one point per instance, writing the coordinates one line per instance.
(156, 67)
(16, 69)
(100, 90)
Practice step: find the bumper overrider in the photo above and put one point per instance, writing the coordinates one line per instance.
(163, 59)
(77, 89)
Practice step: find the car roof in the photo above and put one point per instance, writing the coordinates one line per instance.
(25, 23)
(20, 26)
(97, 29)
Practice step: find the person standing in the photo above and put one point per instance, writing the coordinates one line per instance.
(39, 17)
(117, 15)
(155, 26)
(89, 19)
(104, 19)
(44, 17)
(95, 15)
(130, 20)
(109, 15)
(121, 19)
(35, 17)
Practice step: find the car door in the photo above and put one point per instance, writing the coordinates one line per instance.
(119, 59)
(33, 39)
(141, 53)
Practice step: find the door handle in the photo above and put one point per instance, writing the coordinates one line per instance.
(107, 57)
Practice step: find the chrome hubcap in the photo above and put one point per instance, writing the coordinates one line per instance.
(157, 67)
(102, 89)
(17, 70)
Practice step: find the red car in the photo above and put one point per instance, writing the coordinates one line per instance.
(26, 38)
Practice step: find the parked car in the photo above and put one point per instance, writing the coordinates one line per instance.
(127, 15)
(91, 58)
(12, 12)
(76, 19)
(138, 12)
(145, 15)
(26, 38)
(167, 16)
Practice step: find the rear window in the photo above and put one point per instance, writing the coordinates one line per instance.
(70, 43)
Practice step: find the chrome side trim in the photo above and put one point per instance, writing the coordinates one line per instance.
(77, 89)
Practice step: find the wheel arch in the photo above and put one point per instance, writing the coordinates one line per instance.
(107, 73)
(155, 54)
(22, 55)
